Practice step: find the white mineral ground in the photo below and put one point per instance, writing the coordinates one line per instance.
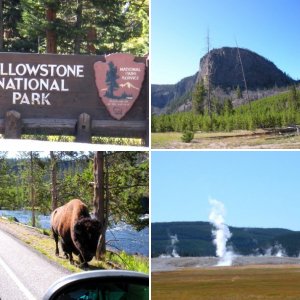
(172, 264)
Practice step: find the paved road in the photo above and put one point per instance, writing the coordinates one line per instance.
(24, 274)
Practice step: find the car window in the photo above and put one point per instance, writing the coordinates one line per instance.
(108, 291)
(82, 294)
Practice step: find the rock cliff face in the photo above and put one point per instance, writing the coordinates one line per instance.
(226, 71)
(162, 95)
(226, 74)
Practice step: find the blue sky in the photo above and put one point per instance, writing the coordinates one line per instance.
(179, 29)
(258, 188)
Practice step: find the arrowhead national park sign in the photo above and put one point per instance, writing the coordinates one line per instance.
(53, 86)
(121, 85)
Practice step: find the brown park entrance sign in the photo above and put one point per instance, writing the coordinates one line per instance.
(111, 91)
(121, 86)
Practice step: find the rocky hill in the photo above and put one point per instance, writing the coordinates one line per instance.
(226, 75)
(163, 95)
(195, 239)
(226, 70)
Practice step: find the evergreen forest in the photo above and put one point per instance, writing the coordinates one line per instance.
(196, 239)
(277, 111)
(74, 27)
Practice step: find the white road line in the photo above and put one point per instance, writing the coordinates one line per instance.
(24, 290)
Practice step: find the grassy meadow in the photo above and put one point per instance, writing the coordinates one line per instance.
(228, 127)
(226, 140)
(229, 283)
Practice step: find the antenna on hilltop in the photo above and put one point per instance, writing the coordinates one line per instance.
(244, 77)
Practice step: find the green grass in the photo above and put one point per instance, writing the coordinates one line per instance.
(44, 231)
(131, 262)
(226, 140)
(9, 218)
(95, 140)
(117, 141)
(237, 283)
(162, 139)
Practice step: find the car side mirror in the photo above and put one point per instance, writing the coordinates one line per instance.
(100, 285)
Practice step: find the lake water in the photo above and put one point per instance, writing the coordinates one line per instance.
(121, 236)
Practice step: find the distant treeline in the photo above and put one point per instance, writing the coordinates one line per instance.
(195, 239)
(64, 167)
(17, 175)
(275, 111)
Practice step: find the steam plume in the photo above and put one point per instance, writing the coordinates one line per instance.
(174, 241)
(171, 250)
(220, 233)
(276, 250)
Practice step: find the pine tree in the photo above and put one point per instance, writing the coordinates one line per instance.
(137, 19)
(293, 98)
(111, 80)
(228, 107)
(12, 40)
(32, 172)
(216, 105)
(6, 180)
(239, 93)
(99, 201)
(1, 26)
(82, 26)
(198, 98)
(128, 183)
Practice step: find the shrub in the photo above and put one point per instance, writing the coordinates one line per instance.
(187, 136)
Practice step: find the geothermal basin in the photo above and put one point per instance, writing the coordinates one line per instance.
(160, 264)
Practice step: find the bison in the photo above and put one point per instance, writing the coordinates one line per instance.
(78, 231)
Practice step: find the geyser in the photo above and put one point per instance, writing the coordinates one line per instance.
(220, 233)
(171, 251)
(174, 241)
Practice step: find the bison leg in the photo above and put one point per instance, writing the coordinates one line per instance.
(67, 252)
(64, 247)
(82, 261)
(71, 258)
(83, 264)
(55, 235)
